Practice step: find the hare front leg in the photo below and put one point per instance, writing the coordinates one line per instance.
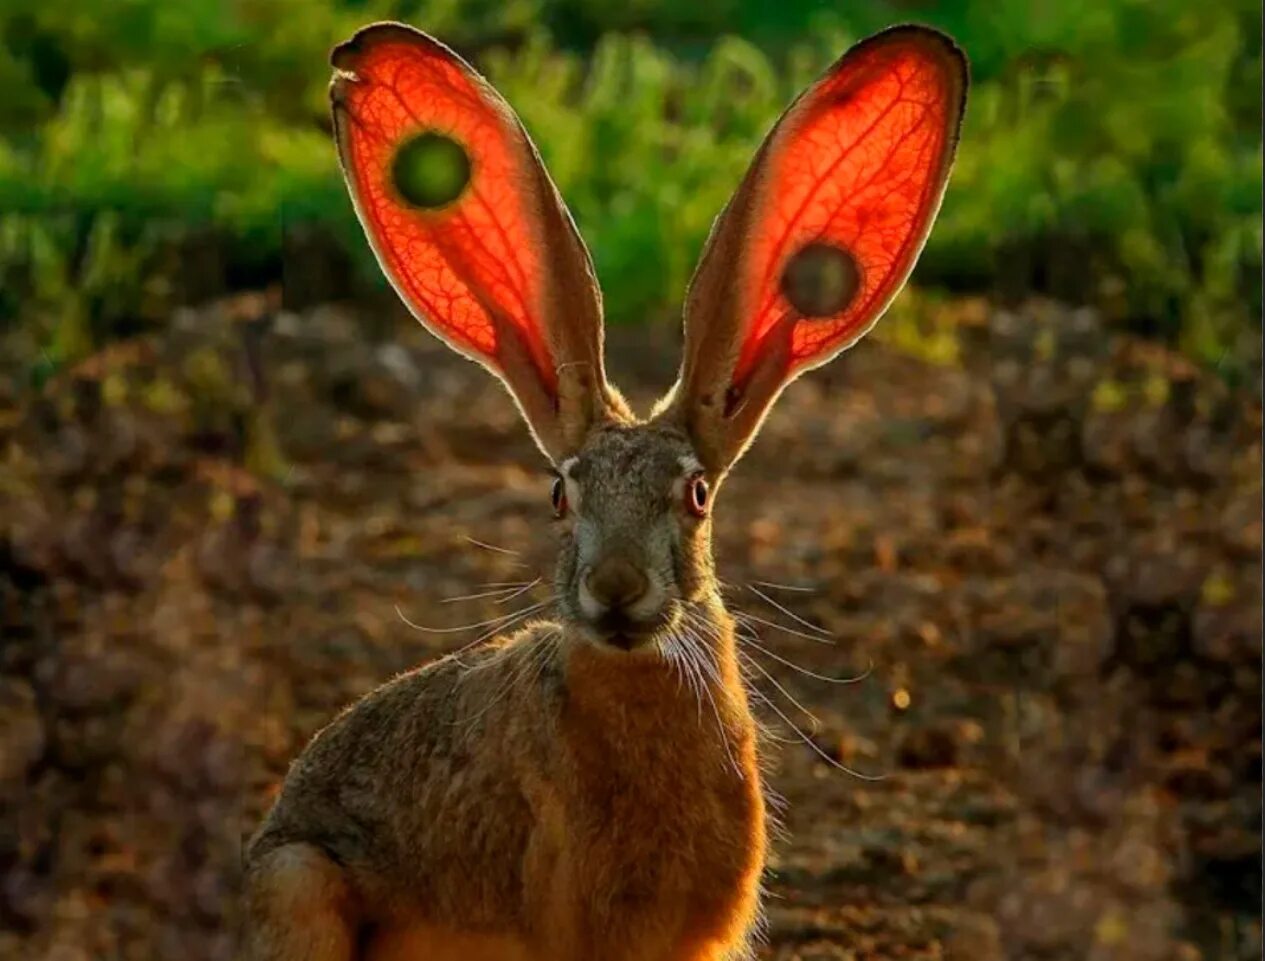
(299, 908)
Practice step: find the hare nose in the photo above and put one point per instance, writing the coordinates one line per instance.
(616, 583)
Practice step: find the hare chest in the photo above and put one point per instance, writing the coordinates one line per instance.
(650, 844)
(650, 875)
(427, 942)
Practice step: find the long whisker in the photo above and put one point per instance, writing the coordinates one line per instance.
(464, 627)
(785, 587)
(702, 665)
(701, 661)
(788, 612)
(534, 661)
(746, 660)
(687, 671)
(813, 744)
(702, 624)
(670, 655)
(511, 620)
(785, 693)
(513, 590)
(519, 593)
(490, 547)
(744, 616)
(766, 730)
(749, 639)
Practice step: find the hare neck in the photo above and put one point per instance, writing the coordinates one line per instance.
(688, 691)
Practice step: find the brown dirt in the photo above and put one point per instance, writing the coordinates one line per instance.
(1050, 557)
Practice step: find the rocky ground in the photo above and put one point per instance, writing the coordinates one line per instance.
(1048, 557)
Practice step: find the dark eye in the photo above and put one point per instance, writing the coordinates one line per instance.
(558, 496)
(696, 495)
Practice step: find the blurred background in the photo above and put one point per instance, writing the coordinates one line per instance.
(1030, 502)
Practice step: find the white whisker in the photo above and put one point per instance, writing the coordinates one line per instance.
(464, 627)
(533, 661)
(702, 662)
(786, 587)
(689, 673)
(788, 612)
(513, 590)
(500, 627)
(519, 593)
(749, 639)
(755, 618)
(766, 730)
(785, 693)
(813, 744)
(490, 547)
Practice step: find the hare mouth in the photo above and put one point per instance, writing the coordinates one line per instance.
(620, 631)
(625, 641)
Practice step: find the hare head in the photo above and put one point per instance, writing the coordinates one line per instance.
(819, 237)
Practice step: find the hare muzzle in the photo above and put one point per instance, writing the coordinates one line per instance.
(620, 599)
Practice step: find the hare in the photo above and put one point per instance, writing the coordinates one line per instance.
(589, 789)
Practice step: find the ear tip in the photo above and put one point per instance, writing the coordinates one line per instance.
(345, 56)
(941, 44)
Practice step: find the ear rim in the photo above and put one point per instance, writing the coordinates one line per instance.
(560, 415)
(698, 402)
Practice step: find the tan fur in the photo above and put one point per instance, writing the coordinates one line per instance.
(299, 905)
(438, 943)
(544, 798)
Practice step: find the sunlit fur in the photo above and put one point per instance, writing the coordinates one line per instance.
(547, 796)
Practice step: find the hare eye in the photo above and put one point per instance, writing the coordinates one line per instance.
(558, 496)
(696, 495)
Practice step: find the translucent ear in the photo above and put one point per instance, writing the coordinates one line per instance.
(468, 227)
(821, 234)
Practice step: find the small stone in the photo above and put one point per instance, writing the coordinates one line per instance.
(21, 732)
(929, 747)
(976, 938)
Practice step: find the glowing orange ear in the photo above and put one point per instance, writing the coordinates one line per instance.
(468, 227)
(822, 232)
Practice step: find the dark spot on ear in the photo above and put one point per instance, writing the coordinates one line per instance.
(820, 280)
(733, 400)
(349, 49)
(430, 170)
(340, 56)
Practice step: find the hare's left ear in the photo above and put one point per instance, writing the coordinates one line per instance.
(469, 228)
(821, 234)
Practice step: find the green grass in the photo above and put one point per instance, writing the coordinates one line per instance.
(1111, 153)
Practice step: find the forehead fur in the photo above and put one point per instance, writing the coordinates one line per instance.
(630, 456)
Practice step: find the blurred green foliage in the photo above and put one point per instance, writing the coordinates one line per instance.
(152, 152)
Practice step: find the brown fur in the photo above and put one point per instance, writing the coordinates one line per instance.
(541, 799)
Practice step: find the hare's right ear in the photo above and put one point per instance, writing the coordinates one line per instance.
(469, 228)
(821, 234)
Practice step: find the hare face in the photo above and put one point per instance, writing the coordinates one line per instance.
(634, 531)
